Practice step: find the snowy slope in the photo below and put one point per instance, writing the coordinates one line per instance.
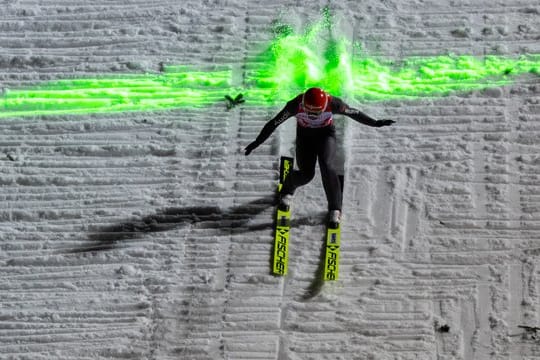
(148, 235)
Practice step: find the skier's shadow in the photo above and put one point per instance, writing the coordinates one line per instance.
(235, 220)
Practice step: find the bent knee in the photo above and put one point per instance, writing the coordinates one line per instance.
(306, 176)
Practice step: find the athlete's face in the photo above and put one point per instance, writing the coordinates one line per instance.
(313, 114)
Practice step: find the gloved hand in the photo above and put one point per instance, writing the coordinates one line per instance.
(251, 147)
(384, 123)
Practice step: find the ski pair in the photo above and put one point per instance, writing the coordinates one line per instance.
(283, 230)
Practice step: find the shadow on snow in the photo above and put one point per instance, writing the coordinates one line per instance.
(231, 221)
(235, 220)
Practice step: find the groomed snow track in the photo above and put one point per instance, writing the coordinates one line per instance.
(149, 235)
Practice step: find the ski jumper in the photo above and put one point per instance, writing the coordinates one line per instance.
(315, 140)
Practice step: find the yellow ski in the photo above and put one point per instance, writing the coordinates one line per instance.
(331, 259)
(283, 224)
(333, 243)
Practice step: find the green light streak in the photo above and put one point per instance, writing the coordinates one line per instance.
(177, 87)
(319, 56)
(436, 76)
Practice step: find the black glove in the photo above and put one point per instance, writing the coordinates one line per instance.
(384, 123)
(251, 147)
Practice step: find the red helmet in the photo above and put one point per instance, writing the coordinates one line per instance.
(315, 100)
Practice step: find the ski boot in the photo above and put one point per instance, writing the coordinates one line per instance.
(334, 219)
(285, 201)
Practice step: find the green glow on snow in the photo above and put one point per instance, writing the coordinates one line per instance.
(176, 87)
(319, 56)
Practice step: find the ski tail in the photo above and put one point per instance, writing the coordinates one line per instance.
(285, 168)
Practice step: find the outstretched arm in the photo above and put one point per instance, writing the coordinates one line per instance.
(271, 125)
(357, 115)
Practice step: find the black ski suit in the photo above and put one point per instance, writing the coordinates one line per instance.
(315, 139)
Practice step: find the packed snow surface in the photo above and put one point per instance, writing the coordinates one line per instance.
(148, 235)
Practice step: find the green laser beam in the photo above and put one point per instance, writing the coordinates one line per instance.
(318, 56)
